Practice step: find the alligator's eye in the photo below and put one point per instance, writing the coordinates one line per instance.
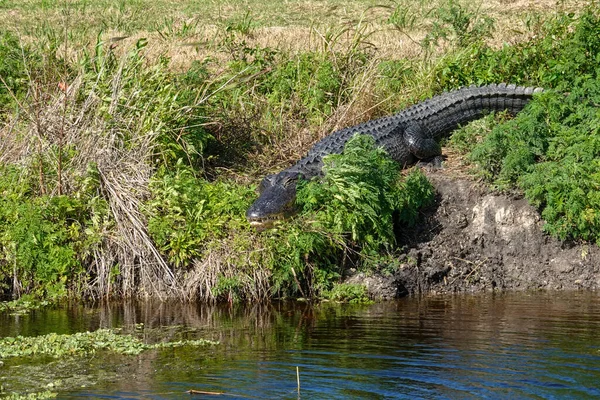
(286, 180)
(265, 183)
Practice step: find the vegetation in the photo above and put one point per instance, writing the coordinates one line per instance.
(82, 343)
(552, 153)
(550, 150)
(349, 293)
(127, 160)
(36, 361)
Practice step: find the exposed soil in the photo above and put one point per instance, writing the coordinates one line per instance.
(475, 240)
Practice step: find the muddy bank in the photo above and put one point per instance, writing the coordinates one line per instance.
(474, 240)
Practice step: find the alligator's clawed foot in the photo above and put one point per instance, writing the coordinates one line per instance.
(431, 164)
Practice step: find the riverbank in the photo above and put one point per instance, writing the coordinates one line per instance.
(131, 147)
(476, 240)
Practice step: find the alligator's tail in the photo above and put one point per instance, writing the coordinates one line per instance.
(446, 112)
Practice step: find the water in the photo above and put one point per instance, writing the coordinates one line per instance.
(544, 345)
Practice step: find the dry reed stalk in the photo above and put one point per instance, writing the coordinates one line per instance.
(218, 263)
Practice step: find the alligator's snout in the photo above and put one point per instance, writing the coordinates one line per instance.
(261, 222)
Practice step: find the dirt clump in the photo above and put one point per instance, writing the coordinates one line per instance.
(475, 240)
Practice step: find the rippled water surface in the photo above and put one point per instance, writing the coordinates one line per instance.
(519, 345)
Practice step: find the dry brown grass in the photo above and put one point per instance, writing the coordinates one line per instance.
(225, 262)
(185, 31)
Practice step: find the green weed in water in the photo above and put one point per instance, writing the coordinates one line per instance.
(83, 343)
(31, 396)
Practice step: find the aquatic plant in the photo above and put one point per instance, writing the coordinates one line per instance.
(83, 343)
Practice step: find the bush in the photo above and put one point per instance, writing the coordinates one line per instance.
(186, 212)
(349, 293)
(361, 194)
(43, 239)
(354, 206)
(566, 49)
(311, 78)
(552, 152)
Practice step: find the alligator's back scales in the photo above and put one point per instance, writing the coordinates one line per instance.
(408, 136)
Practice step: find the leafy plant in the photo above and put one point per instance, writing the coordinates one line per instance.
(552, 151)
(351, 210)
(565, 49)
(361, 194)
(311, 78)
(185, 212)
(42, 239)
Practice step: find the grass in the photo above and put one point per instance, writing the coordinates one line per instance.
(183, 30)
(133, 133)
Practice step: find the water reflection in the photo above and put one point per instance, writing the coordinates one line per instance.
(498, 346)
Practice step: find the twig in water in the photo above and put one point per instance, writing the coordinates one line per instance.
(203, 392)
(192, 391)
(298, 378)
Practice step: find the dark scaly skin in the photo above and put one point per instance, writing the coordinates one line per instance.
(411, 135)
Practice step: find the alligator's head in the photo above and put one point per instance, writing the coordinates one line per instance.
(276, 201)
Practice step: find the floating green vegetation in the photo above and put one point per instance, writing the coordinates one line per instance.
(349, 293)
(31, 396)
(23, 305)
(84, 343)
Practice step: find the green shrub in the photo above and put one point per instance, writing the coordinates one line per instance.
(186, 212)
(351, 210)
(552, 151)
(43, 239)
(393, 76)
(143, 97)
(354, 206)
(349, 293)
(361, 194)
(566, 48)
(310, 79)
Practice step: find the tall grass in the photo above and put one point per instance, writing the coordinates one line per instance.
(95, 131)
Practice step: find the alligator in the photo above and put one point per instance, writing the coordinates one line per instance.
(409, 136)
